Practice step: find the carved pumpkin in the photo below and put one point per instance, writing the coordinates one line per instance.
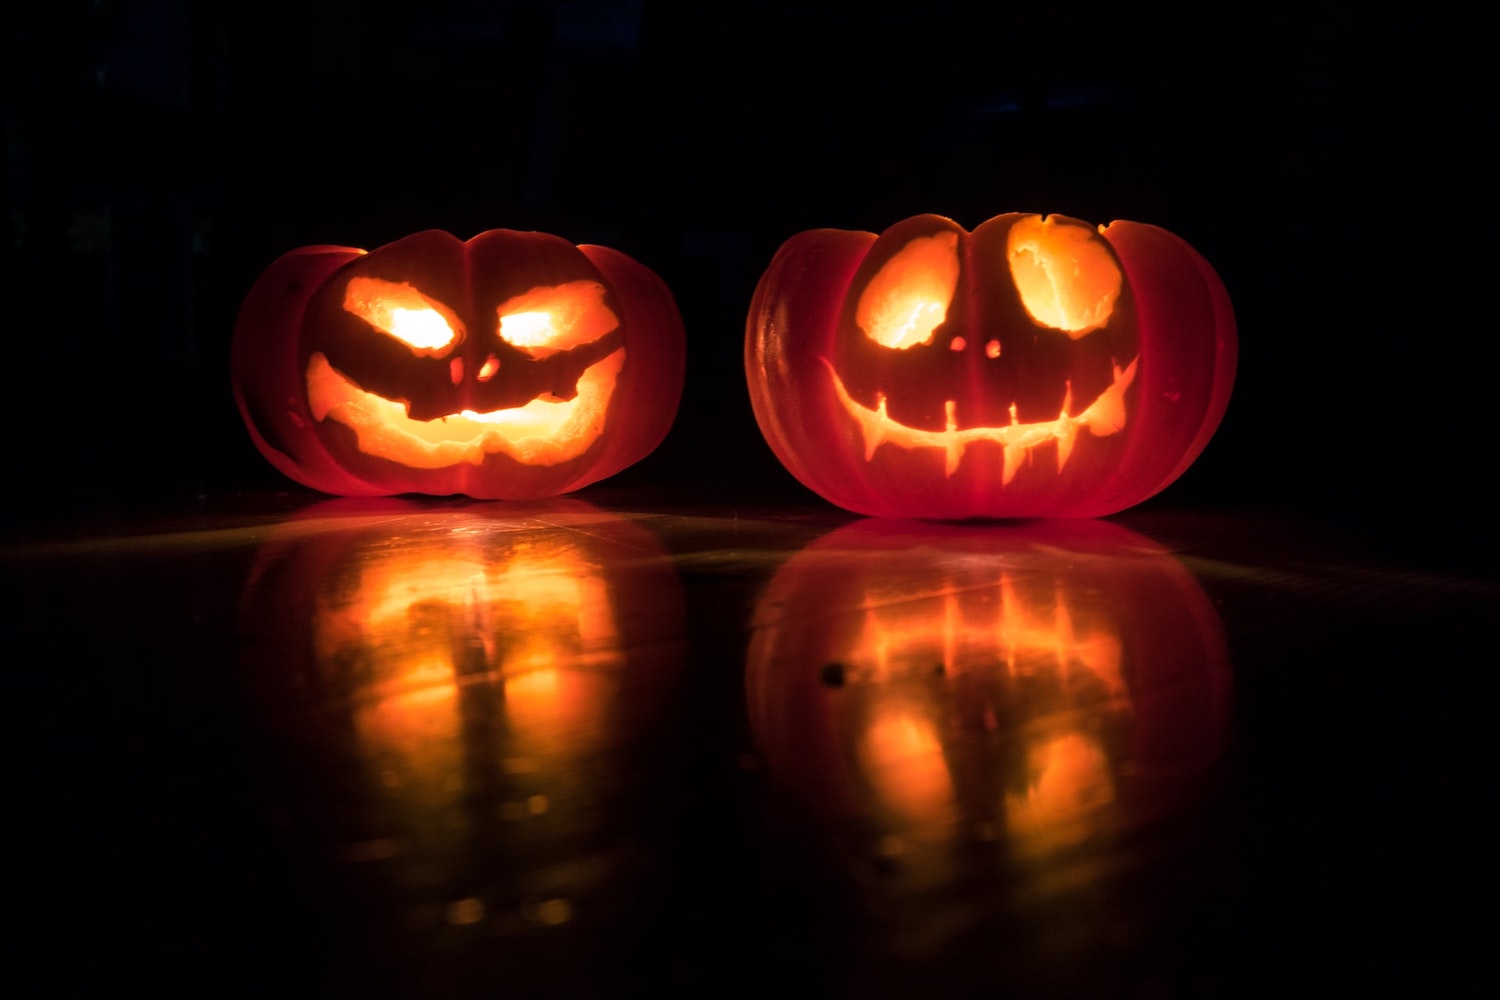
(1035, 367)
(924, 687)
(513, 366)
(468, 697)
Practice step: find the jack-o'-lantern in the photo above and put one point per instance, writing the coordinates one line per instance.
(925, 688)
(1035, 367)
(513, 366)
(457, 706)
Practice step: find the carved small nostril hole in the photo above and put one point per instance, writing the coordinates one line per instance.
(456, 370)
(957, 344)
(488, 369)
(992, 349)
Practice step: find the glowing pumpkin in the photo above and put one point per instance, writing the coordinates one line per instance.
(468, 697)
(1035, 367)
(925, 687)
(513, 366)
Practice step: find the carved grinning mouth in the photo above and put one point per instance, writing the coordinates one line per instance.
(542, 432)
(1104, 416)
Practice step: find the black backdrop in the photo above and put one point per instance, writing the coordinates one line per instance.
(1327, 160)
(1330, 162)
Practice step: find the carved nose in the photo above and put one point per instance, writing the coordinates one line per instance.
(991, 349)
(486, 371)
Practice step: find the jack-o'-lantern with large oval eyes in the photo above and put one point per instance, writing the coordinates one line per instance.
(512, 366)
(1035, 367)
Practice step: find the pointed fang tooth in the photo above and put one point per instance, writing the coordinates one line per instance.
(1065, 441)
(1014, 455)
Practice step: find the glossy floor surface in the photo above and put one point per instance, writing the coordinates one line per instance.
(605, 748)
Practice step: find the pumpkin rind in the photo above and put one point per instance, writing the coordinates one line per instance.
(340, 405)
(863, 424)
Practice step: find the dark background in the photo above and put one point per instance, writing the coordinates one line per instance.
(1327, 160)
(1330, 161)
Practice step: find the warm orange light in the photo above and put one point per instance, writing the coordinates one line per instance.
(1070, 782)
(964, 628)
(573, 625)
(929, 690)
(904, 758)
(415, 606)
(1104, 416)
(1067, 277)
(554, 318)
(1027, 628)
(554, 712)
(527, 329)
(916, 649)
(453, 703)
(542, 432)
(398, 310)
(908, 299)
(424, 621)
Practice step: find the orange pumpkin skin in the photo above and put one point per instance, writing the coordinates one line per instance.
(890, 656)
(340, 397)
(1003, 410)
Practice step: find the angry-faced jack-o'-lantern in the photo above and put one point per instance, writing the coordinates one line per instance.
(926, 688)
(1035, 367)
(457, 705)
(512, 366)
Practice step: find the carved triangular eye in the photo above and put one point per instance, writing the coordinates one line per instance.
(400, 311)
(1067, 277)
(908, 298)
(554, 318)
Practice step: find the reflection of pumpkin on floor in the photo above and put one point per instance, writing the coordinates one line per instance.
(514, 366)
(936, 681)
(1030, 686)
(458, 693)
(1032, 368)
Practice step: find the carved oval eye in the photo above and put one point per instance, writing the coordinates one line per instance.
(1067, 277)
(398, 310)
(555, 318)
(908, 298)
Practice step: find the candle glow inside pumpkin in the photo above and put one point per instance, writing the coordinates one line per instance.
(546, 430)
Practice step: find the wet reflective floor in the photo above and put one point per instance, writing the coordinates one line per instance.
(598, 747)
